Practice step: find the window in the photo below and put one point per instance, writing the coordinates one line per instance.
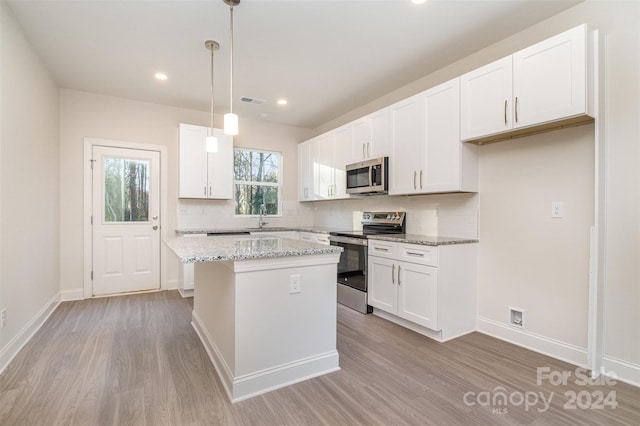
(257, 177)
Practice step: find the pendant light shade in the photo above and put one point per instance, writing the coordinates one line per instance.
(230, 124)
(230, 119)
(212, 140)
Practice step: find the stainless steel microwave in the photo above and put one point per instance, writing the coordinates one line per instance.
(368, 177)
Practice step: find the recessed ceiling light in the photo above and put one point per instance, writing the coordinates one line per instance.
(160, 76)
(282, 102)
(418, 1)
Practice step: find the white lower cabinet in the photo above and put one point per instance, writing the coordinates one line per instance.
(185, 273)
(431, 290)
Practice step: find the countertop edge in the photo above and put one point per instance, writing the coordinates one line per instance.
(424, 240)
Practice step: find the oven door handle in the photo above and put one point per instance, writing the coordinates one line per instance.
(347, 240)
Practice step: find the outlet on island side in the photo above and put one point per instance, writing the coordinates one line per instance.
(294, 284)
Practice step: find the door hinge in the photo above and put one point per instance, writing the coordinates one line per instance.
(92, 219)
(92, 161)
(91, 275)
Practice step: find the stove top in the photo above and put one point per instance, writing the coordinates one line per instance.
(376, 223)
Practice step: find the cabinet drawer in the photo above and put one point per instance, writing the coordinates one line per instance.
(383, 248)
(422, 255)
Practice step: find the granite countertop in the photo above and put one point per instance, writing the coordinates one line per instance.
(242, 247)
(425, 240)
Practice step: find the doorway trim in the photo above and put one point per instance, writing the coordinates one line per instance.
(89, 143)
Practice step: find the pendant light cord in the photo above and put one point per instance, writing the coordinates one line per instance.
(231, 73)
(212, 92)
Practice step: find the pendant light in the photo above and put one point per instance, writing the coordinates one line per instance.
(212, 140)
(230, 119)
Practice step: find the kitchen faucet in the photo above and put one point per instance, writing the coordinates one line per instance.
(263, 212)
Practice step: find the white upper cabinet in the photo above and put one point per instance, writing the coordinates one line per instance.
(406, 146)
(486, 95)
(306, 154)
(371, 136)
(426, 153)
(342, 140)
(539, 85)
(321, 165)
(202, 174)
(447, 165)
(549, 79)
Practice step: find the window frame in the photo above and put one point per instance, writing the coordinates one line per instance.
(278, 185)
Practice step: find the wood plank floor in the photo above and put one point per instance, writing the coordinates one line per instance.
(136, 360)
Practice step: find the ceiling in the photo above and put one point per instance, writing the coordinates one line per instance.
(327, 57)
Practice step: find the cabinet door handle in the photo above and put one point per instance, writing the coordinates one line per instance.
(399, 275)
(381, 249)
(516, 109)
(209, 190)
(411, 253)
(368, 150)
(414, 179)
(505, 112)
(364, 153)
(420, 179)
(393, 273)
(205, 189)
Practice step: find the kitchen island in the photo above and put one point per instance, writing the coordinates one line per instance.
(264, 308)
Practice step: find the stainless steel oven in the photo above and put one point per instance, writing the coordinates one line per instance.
(352, 267)
(352, 271)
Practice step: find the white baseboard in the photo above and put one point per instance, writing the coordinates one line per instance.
(171, 285)
(223, 370)
(622, 370)
(75, 294)
(551, 347)
(259, 382)
(19, 340)
(264, 381)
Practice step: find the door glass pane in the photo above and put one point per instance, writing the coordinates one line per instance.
(126, 190)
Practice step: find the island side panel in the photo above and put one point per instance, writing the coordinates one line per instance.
(214, 315)
(283, 337)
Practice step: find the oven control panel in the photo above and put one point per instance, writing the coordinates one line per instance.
(391, 218)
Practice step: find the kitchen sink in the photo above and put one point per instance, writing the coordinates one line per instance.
(211, 234)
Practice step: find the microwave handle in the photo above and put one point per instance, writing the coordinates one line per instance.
(373, 175)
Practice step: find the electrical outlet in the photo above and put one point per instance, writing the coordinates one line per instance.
(294, 284)
(557, 209)
(3, 317)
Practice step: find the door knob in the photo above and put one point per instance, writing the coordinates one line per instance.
(155, 227)
(155, 218)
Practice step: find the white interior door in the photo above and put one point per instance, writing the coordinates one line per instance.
(126, 220)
